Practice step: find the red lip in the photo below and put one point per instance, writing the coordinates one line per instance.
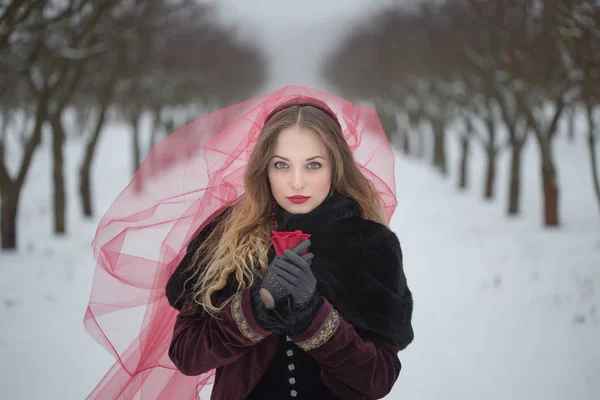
(298, 199)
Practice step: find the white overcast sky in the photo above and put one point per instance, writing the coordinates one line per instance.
(296, 33)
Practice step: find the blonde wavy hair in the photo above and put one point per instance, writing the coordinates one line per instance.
(237, 248)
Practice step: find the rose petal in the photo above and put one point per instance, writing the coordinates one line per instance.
(287, 240)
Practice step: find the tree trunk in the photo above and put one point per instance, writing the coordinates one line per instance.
(514, 192)
(406, 141)
(85, 190)
(135, 143)
(156, 123)
(439, 146)
(389, 124)
(414, 124)
(465, 144)
(137, 157)
(8, 217)
(85, 186)
(10, 189)
(549, 184)
(464, 161)
(550, 193)
(517, 139)
(58, 137)
(3, 129)
(490, 175)
(571, 121)
(490, 148)
(592, 151)
(420, 143)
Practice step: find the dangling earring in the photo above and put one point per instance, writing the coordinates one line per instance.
(274, 212)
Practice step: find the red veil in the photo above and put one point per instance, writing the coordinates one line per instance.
(185, 180)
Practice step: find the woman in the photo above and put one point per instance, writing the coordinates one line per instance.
(322, 324)
(325, 319)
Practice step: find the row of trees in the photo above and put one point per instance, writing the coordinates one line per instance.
(131, 56)
(477, 66)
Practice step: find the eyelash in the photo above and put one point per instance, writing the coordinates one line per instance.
(281, 162)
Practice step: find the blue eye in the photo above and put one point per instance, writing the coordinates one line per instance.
(279, 165)
(316, 165)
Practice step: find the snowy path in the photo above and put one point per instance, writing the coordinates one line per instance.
(503, 309)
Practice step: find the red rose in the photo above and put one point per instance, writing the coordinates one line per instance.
(283, 241)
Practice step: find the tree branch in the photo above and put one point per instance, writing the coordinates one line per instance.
(34, 139)
(5, 181)
(11, 21)
(552, 128)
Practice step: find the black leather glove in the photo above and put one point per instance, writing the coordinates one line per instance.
(286, 322)
(270, 320)
(293, 273)
(273, 283)
(297, 321)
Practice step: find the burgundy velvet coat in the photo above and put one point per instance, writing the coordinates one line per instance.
(363, 322)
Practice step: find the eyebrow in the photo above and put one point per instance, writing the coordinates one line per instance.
(308, 159)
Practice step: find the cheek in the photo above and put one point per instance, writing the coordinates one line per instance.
(328, 176)
(324, 181)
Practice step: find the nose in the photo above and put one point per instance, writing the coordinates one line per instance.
(298, 180)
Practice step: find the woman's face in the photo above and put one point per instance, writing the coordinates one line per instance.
(300, 167)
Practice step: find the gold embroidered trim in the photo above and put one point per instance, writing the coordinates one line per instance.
(238, 316)
(323, 334)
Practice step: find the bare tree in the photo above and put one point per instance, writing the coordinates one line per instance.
(404, 75)
(387, 117)
(100, 82)
(44, 55)
(77, 44)
(481, 35)
(593, 139)
(517, 63)
(546, 82)
(97, 89)
(404, 130)
(580, 24)
(161, 71)
(24, 27)
(465, 145)
(530, 74)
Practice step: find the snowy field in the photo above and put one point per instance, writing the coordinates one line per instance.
(504, 309)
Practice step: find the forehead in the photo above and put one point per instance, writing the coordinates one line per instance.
(296, 141)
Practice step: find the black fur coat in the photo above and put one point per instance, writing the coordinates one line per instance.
(357, 263)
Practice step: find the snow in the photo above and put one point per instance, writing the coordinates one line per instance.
(504, 308)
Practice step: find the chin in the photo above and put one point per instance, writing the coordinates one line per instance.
(299, 208)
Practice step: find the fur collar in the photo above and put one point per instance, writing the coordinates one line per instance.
(335, 207)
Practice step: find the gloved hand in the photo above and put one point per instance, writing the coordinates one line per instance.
(274, 283)
(293, 273)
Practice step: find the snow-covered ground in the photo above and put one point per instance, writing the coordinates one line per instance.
(503, 308)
